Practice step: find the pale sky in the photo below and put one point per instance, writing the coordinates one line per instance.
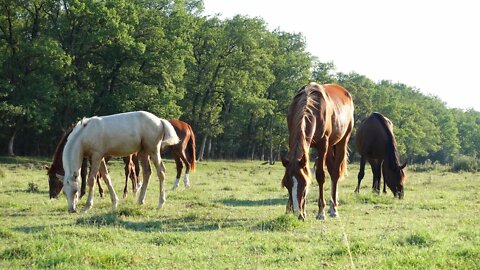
(431, 45)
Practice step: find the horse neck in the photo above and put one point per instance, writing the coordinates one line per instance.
(300, 142)
(57, 164)
(72, 156)
(391, 151)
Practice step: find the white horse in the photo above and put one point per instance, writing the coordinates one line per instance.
(115, 135)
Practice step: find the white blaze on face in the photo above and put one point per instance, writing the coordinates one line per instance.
(296, 207)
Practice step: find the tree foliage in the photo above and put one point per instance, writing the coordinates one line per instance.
(231, 79)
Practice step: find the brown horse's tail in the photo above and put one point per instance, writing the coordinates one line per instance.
(191, 148)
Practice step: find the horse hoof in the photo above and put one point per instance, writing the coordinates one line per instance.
(160, 205)
(333, 213)
(320, 216)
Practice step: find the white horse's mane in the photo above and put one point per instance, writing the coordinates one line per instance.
(73, 135)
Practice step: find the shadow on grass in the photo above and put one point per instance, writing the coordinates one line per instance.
(251, 203)
(29, 229)
(191, 222)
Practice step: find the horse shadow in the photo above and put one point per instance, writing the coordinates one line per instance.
(183, 224)
(252, 203)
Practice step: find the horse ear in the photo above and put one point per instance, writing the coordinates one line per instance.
(285, 162)
(303, 161)
(403, 165)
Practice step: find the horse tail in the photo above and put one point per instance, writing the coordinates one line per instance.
(170, 137)
(191, 148)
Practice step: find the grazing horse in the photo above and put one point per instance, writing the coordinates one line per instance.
(320, 116)
(376, 144)
(115, 135)
(56, 172)
(184, 151)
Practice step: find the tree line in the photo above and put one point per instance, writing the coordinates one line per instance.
(231, 79)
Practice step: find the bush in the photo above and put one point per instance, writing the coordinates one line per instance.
(466, 164)
(32, 188)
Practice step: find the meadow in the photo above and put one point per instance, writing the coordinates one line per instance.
(233, 217)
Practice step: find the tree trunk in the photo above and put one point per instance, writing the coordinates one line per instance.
(209, 148)
(252, 157)
(272, 161)
(202, 149)
(279, 157)
(10, 143)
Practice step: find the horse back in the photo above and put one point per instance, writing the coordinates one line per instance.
(122, 134)
(341, 119)
(373, 135)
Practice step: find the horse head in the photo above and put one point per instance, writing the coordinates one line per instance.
(70, 188)
(394, 177)
(55, 183)
(296, 180)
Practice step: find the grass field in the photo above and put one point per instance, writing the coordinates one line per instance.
(233, 218)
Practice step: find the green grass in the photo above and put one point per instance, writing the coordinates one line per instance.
(233, 217)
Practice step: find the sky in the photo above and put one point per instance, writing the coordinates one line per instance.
(433, 46)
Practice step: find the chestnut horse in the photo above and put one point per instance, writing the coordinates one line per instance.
(321, 117)
(184, 151)
(376, 144)
(115, 135)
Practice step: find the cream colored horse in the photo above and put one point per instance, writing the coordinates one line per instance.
(115, 135)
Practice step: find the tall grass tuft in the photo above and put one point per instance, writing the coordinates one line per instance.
(285, 222)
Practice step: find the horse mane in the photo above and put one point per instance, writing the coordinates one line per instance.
(392, 150)
(75, 131)
(57, 155)
(303, 104)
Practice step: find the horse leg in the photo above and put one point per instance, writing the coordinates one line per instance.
(320, 176)
(361, 174)
(133, 176)
(94, 166)
(186, 181)
(126, 168)
(377, 172)
(100, 188)
(338, 156)
(179, 166)
(157, 161)
(289, 207)
(106, 177)
(136, 171)
(147, 171)
(83, 174)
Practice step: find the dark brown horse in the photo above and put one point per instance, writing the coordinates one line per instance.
(376, 144)
(321, 117)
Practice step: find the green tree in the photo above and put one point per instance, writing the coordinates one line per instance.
(32, 62)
